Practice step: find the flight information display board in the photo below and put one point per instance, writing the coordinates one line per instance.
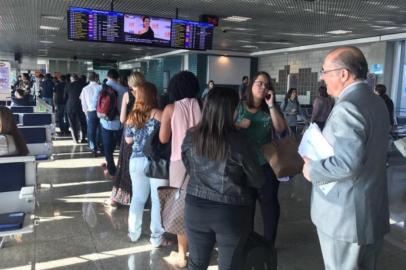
(108, 26)
(191, 35)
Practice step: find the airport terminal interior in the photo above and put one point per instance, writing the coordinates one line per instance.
(73, 216)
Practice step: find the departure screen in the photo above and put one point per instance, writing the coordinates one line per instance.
(108, 26)
(191, 35)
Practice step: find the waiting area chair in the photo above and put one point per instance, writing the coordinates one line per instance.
(17, 194)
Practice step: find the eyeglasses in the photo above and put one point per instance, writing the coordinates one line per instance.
(323, 72)
(260, 83)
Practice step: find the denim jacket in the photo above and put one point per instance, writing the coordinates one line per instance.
(231, 181)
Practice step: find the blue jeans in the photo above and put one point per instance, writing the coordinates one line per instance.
(93, 124)
(110, 140)
(141, 187)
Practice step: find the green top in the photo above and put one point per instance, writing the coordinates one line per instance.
(259, 132)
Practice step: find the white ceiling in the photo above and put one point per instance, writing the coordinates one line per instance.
(274, 24)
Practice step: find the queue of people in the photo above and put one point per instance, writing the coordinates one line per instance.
(224, 180)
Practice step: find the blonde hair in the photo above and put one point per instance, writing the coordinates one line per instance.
(135, 79)
(145, 101)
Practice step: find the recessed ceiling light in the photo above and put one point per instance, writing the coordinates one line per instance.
(236, 19)
(250, 46)
(274, 42)
(46, 41)
(339, 32)
(389, 28)
(51, 17)
(46, 27)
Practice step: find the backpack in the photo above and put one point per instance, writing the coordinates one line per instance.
(107, 103)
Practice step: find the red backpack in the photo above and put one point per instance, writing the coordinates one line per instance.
(107, 103)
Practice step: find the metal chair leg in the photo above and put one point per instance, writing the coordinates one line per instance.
(2, 241)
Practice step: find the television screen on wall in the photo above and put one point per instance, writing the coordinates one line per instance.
(86, 24)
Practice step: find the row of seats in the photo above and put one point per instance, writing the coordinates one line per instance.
(19, 174)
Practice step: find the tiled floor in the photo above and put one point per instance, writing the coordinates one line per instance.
(77, 232)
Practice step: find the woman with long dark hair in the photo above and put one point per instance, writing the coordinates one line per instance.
(12, 141)
(258, 117)
(322, 106)
(182, 113)
(223, 176)
(291, 109)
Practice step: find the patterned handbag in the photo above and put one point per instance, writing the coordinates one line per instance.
(172, 202)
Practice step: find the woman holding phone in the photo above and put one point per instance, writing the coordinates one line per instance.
(258, 117)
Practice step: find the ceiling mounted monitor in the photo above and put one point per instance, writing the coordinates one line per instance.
(117, 27)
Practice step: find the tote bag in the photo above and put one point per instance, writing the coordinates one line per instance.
(283, 157)
(172, 202)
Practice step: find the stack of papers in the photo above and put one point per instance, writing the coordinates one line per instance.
(315, 147)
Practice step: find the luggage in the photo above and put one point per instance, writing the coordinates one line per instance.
(259, 254)
(11, 221)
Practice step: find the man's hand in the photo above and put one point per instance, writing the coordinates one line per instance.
(306, 168)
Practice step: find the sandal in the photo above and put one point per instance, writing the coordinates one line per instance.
(174, 258)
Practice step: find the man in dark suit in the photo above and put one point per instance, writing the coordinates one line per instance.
(353, 217)
(74, 109)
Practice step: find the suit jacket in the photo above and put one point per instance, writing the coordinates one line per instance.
(71, 95)
(356, 209)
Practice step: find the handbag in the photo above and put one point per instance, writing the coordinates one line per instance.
(283, 157)
(172, 203)
(158, 156)
(157, 168)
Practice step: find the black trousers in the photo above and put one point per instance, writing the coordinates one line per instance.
(206, 224)
(269, 202)
(76, 120)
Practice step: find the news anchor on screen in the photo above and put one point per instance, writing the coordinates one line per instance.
(147, 31)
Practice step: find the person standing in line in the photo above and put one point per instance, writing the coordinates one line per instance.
(89, 108)
(183, 113)
(242, 90)
(74, 109)
(291, 109)
(60, 105)
(353, 217)
(121, 192)
(380, 90)
(143, 120)
(322, 106)
(112, 130)
(48, 89)
(258, 117)
(223, 177)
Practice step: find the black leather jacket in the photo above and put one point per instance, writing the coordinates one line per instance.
(231, 181)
